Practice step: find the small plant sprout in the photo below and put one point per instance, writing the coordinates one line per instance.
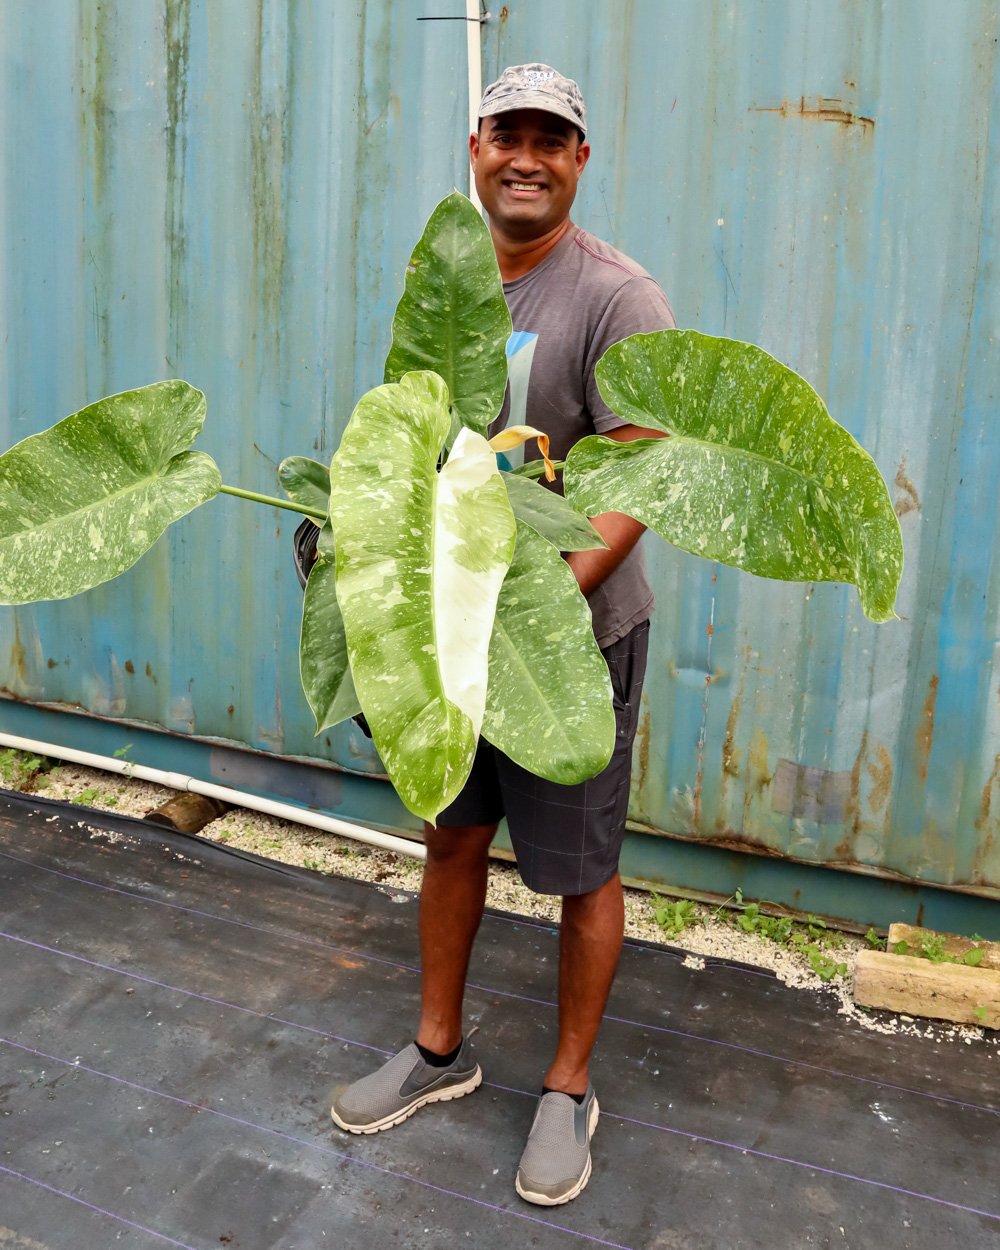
(675, 915)
(440, 605)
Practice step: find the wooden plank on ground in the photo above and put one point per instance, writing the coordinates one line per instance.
(918, 987)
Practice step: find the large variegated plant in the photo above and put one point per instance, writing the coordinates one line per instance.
(439, 603)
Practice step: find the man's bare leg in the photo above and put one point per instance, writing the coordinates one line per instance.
(590, 941)
(452, 898)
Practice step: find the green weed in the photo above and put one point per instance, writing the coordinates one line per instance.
(19, 770)
(675, 915)
(932, 947)
(810, 937)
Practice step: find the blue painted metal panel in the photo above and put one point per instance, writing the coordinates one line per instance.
(227, 191)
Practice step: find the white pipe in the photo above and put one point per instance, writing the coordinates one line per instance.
(237, 798)
(473, 34)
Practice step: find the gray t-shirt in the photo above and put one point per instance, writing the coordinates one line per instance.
(567, 311)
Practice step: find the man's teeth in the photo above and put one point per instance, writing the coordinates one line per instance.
(525, 186)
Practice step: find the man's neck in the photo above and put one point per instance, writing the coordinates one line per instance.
(517, 257)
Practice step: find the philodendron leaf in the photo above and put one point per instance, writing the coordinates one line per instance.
(550, 516)
(549, 705)
(755, 472)
(305, 481)
(82, 501)
(323, 662)
(421, 556)
(453, 318)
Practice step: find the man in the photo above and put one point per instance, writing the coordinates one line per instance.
(571, 296)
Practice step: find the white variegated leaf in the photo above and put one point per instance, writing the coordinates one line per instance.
(453, 318)
(755, 472)
(82, 501)
(421, 557)
(549, 705)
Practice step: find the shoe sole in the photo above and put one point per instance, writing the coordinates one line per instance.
(447, 1094)
(543, 1200)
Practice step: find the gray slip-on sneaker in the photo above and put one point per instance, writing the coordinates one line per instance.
(555, 1166)
(401, 1086)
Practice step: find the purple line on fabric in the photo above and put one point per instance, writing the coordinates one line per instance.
(523, 998)
(347, 1041)
(307, 941)
(209, 915)
(663, 1128)
(176, 989)
(61, 1193)
(814, 1167)
(302, 1141)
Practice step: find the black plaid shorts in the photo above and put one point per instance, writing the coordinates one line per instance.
(567, 839)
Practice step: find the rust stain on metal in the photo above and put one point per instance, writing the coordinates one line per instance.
(642, 736)
(18, 658)
(151, 675)
(819, 109)
(730, 752)
(129, 666)
(757, 776)
(881, 776)
(925, 730)
(909, 500)
(986, 803)
(852, 815)
(734, 842)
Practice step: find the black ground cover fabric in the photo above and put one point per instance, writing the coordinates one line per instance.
(174, 1018)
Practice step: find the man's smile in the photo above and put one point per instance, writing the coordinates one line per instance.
(527, 189)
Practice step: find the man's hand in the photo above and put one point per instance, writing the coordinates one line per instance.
(620, 532)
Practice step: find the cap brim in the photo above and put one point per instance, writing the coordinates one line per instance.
(532, 100)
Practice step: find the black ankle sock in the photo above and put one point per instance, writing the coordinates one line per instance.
(436, 1060)
(577, 1098)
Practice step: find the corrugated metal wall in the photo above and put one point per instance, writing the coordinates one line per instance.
(227, 191)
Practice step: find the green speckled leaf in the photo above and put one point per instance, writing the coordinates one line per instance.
(82, 501)
(453, 318)
(550, 516)
(755, 474)
(305, 482)
(421, 556)
(549, 705)
(323, 662)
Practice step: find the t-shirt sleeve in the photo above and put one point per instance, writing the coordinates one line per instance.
(639, 306)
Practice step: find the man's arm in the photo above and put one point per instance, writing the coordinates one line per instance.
(620, 532)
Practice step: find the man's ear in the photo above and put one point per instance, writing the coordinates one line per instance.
(582, 157)
(473, 149)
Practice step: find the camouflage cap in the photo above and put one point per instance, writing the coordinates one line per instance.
(535, 86)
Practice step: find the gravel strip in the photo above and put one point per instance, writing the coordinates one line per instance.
(713, 936)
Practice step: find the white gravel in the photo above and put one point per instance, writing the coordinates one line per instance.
(714, 937)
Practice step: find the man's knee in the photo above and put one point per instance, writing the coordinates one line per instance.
(460, 845)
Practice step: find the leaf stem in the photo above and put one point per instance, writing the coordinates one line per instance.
(314, 513)
(535, 468)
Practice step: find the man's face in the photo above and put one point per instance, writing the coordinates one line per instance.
(527, 164)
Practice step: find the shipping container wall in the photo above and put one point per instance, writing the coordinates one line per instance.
(227, 191)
